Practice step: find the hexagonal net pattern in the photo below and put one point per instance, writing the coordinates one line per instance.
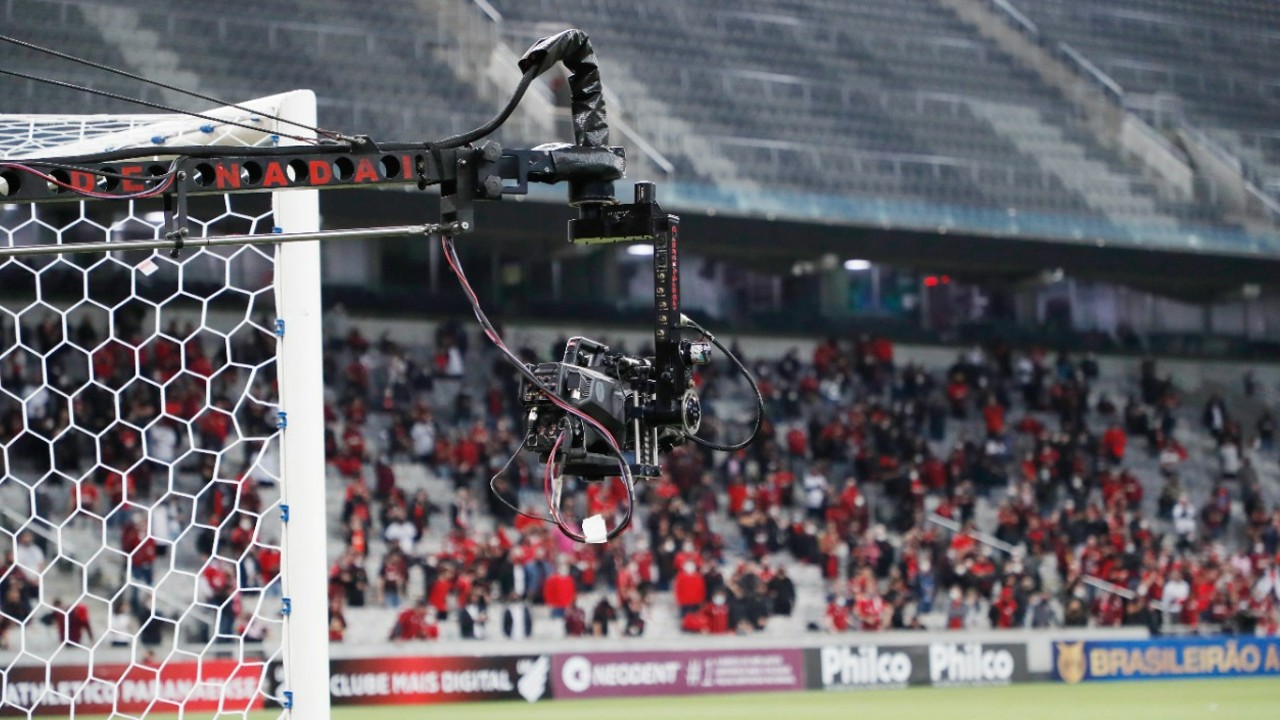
(140, 487)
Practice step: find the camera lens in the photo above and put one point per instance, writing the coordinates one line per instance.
(691, 411)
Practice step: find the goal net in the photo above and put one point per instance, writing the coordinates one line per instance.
(158, 554)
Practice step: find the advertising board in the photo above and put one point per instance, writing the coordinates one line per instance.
(676, 672)
(1078, 661)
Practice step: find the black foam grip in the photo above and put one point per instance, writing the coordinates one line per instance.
(573, 48)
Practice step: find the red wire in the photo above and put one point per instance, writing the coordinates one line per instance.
(447, 245)
(497, 340)
(548, 478)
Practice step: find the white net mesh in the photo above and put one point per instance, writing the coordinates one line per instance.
(140, 501)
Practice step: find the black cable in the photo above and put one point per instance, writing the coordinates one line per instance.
(148, 103)
(688, 322)
(322, 147)
(493, 124)
(192, 151)
(494, 490)
(201, 151)
(166, 86)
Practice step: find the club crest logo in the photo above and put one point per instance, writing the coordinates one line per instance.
(1071, 662)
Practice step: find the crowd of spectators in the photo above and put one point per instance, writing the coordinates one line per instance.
(1008, 489)
(131, 440)
(871, 471)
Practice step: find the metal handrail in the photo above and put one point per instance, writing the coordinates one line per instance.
(1086, 67)
(19, 521)
(995, 542)
(1250, 177)
(1017, 17)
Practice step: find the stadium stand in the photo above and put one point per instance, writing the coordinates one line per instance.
(1074, 480)
(900, 101)
(1207, 63)
(296, 45)
(903, 111)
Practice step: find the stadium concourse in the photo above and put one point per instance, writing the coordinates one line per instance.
(1074, 480)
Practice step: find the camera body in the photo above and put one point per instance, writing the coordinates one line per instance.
(648, 405)
(619, 392)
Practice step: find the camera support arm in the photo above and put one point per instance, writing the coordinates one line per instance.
(578, 408)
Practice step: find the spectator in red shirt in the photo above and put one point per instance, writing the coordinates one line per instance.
(72, 624)
(993, 416)
(438, 595)
(869, 608)
(718, 615)
(338, 622)
(837, 615)
(1004, 609)
(1115, 440)
(559, 591)
(958, 395)
(268, 563)
(688, 554)
(413, 624)
(575, 621)
(695, 623)
(690, 589)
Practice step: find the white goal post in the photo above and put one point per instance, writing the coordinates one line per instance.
(162, 505)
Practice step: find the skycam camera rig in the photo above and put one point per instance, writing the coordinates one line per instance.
(648, 403)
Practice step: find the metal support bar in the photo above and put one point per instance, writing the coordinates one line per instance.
(295, 168)
(261, 239)
(175, 210)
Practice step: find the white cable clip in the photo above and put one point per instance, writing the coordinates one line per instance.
(593, 529)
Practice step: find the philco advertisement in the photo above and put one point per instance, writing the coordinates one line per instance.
(845, 667)
(1078, 661)
(627, 674)
(422, 680)
(974, 663)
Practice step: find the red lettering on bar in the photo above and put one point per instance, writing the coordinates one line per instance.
(275, 176)
(82, 180)
(320, 171)
(131, 186)
(227, 175)
(365, 172)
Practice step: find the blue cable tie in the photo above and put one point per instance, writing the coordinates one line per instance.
(286, 606)
(284, 513)
(288, 700)
(157, 139)
(282, 420)
(206, 128)
(279, 327)
(277, 229)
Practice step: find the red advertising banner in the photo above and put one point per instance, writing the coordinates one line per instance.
(214, 685)
(676, 672)
(424, 680)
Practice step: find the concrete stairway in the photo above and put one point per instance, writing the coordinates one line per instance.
(1104, 190)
